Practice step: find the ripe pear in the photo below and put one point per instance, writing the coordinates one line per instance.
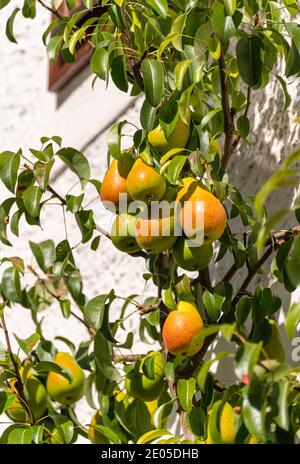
(96, 437)
(59, 388)
(122, 233)
(36, 396)
(274, 348)
(226, 426)
(192, 258)
(155, 234)
(177, 139)
(144, 183)
(114, 182)
(181, 327)
(141, 387)
(194, 203)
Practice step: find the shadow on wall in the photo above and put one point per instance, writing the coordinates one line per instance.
(274, 137)
(63, 94)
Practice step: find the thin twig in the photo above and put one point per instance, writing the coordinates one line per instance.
(54, 12)
(19, 384)
(228, 117)
(123, 358)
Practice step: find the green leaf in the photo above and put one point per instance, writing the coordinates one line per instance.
(9, 165)
(287, 97)
(86, 224)
(172, 169)
(160, 6)
(29, 343)
(94, 310)
(153, 76)
(3, 3)
(20, 436)
(292, 320)
(147, 116)
(152, 435)
(4, 219)
(230, 6)
(248, 53)
(65, 306)
(185, 390)
(180, 71)
(177, 31)
(212, 304)
(243, 126)
(95, 243)
(11, 285)
(10, 25)
(47, 366)
(253, 413)
(114, 139)
(246, 359)
(118, 73)
(44, 253)
(103, 356)
(202, 374)
(77, 162)
(108, 432)
(65, 427)
(42, 173)
(32, 199)
(74, 202)
(280, 397)
(99, 62)
(53, 47)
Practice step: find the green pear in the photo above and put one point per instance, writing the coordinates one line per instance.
(123, 233)
(36, 396)
(144, 183)
(177, 139)
(141, 387)
(191, 258)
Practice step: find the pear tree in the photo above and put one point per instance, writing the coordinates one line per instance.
(196, 66)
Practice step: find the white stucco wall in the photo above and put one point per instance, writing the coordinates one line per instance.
(28, 111)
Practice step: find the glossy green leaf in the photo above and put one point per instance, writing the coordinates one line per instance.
(32, 200)
(246, 359)
(185, 392)
(44, 253)
(9, 165)
(20, 436)
(77, 162)
(11, 285)
(114, 139)
(292, 320)
(10, 26)
(248, 53)
(153, 76)
(160, 6)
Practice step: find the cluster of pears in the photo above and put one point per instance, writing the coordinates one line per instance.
(143, 183)
(36, 392)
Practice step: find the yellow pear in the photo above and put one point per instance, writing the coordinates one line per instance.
(59, 388)
(226, 426)
(177, 139)
(96, 437)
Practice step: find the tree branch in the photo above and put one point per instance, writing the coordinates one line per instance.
(123, 358)
(54, 12)
(19, 384)
(228, 116)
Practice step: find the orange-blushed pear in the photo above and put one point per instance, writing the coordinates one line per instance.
(60, 388)
(181, 328)
(155, 234)
(198, 208)
(114, 182)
